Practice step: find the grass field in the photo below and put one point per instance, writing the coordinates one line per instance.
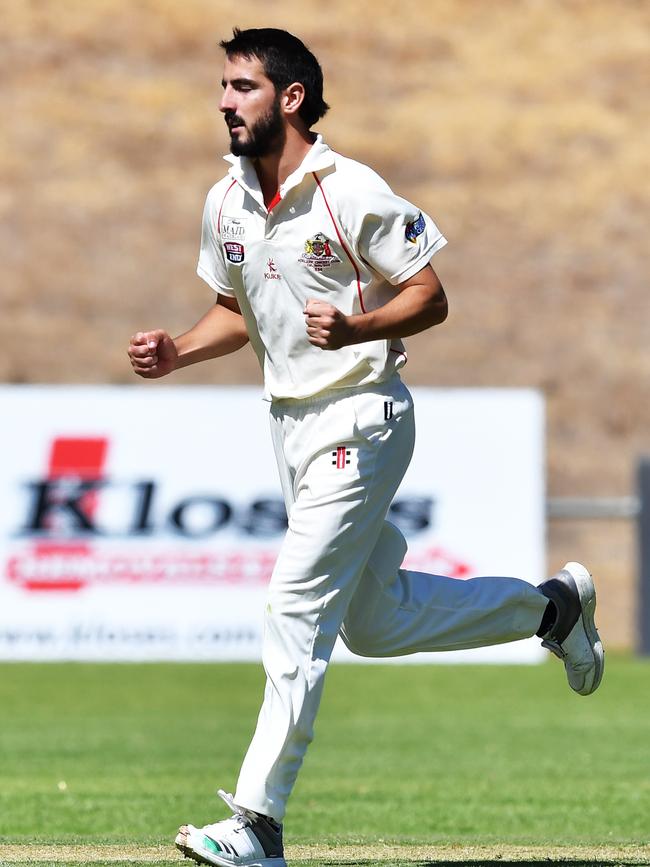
(426, 764)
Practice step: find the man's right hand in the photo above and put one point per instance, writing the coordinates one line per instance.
(153, 354)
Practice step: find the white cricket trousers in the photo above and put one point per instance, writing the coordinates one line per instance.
(342, 456)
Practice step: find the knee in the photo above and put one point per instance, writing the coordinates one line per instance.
(352, 642)
(356, 638)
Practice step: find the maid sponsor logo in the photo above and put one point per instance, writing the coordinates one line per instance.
(233, 229)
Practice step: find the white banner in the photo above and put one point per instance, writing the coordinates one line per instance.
(142, 523)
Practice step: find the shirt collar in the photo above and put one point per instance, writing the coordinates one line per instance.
(319, 156)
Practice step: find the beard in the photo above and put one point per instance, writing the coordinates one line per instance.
(265, 136)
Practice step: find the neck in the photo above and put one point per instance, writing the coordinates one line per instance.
(274, 169)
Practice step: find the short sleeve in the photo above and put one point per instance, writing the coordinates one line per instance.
(395, 238)
(212, 266)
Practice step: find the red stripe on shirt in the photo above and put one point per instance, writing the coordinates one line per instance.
(221, 208)
(341, 242)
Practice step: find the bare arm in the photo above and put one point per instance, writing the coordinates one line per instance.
(419, 304)
(221, 331)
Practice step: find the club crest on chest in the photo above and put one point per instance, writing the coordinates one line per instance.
(318, 253)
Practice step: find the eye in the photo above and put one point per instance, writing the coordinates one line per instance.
(243, 85)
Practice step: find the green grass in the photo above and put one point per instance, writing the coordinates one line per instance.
(423, 755)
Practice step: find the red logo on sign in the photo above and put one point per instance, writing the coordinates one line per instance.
(78, 460)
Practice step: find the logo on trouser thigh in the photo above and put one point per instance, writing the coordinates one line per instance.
(341, 457)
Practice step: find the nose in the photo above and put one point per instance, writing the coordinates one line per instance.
(226, 103)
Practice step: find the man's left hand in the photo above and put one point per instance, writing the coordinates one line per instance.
(327, 327)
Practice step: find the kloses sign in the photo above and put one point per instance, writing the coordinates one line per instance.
(143, 523)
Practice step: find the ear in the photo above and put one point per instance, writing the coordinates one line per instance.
(293, 97)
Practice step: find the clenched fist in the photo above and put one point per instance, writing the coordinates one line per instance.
(327, 327)
(153, 354)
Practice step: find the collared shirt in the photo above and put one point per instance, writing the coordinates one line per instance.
(335, 232)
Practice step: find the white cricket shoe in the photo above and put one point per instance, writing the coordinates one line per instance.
(573, 636)
(246, 839)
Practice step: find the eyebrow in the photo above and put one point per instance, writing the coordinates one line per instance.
(236, 81)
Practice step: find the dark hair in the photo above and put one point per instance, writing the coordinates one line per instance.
(285, 59)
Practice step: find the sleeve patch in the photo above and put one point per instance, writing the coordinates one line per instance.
(414, 228)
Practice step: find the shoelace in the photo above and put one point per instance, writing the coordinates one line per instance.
(244, 817)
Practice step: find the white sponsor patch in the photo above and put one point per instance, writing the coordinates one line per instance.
(233, 229)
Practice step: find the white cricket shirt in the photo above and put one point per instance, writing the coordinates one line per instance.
(334, 232)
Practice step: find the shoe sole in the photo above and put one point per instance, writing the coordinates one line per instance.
(188, 852)
(587, 595)
(195, 856)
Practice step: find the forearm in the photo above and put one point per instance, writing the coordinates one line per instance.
(416, 308)
(220, 332)
(419, 303)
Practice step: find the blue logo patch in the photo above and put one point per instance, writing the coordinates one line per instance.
(415, 228)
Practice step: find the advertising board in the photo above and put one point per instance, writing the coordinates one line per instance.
(142, 523)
